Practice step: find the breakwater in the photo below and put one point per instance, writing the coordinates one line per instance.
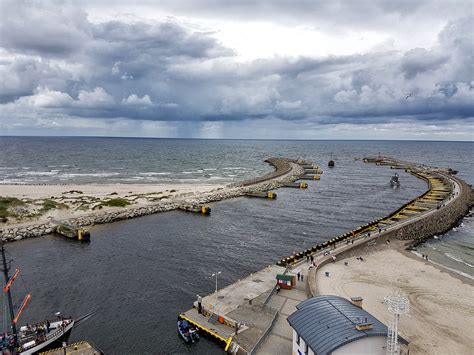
(286, 171)
(446, 200)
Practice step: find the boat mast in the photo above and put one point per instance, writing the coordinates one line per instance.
(10, 302)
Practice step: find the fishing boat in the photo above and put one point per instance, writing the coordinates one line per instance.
(187, 332)
(394, 182)
(34, 338)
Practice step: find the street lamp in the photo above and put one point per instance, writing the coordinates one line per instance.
(215, 274)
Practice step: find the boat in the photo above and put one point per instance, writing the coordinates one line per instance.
(34, 338)
(394, 182)
(331, 162)
(187, 332)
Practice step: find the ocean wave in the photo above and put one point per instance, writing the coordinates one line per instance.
(453, 270)
(445, 267)
(450, 256)
(154, 173)
(40, 173)
(199, 171)
(210, 169)
(73, 175)
(234, 168)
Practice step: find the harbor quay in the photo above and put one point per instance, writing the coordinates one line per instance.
(250, 315)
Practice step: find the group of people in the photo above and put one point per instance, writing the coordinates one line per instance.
(424, 256)
(310, 260)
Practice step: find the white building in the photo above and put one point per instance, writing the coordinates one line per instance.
(334, 325)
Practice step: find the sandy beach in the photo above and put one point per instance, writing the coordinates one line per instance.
(36, 203)
(101, 190)
(441, 318)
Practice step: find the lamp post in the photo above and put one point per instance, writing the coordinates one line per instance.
(215, 274)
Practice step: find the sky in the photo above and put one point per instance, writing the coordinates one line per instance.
(264, 69)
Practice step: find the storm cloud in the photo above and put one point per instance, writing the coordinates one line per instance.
(57, 63)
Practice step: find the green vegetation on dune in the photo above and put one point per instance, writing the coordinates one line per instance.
(5, 204)
(116, 202)
(50, 205)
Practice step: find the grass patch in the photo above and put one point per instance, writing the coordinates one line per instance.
(5, 204)
(116, 202)
(51, 205)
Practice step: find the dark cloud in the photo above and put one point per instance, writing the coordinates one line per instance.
(163, 71)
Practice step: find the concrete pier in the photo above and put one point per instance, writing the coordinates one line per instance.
(239, 311)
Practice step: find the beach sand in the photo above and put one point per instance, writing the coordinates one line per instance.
(441, 317)
(100, 190)
(74, 200)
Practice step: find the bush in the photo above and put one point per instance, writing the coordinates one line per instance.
(5, 203)
(116, 202)
(50, 205)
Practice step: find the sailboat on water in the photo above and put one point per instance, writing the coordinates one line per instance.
(35, 338)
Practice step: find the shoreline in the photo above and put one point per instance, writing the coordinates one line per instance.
(109, 203)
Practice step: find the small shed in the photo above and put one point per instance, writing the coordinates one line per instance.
(286, 281)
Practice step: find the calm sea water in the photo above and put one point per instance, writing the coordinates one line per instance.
(139, 274)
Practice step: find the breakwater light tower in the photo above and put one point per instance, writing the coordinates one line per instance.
(397, 304)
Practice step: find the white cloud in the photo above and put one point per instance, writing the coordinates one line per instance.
(135, 100)
(95, 99)
(49, 98)
(319, 64)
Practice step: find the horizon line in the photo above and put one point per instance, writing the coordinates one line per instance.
(241, 139)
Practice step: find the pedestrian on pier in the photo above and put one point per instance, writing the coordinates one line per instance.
(312, 259)
(299, 275)
(302, 276)
(307, 258)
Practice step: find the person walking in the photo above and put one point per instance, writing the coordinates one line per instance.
(298, 275)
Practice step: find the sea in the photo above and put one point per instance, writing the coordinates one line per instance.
(140, 274)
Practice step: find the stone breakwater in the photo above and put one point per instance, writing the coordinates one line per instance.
(442, 220)
(285, 171)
